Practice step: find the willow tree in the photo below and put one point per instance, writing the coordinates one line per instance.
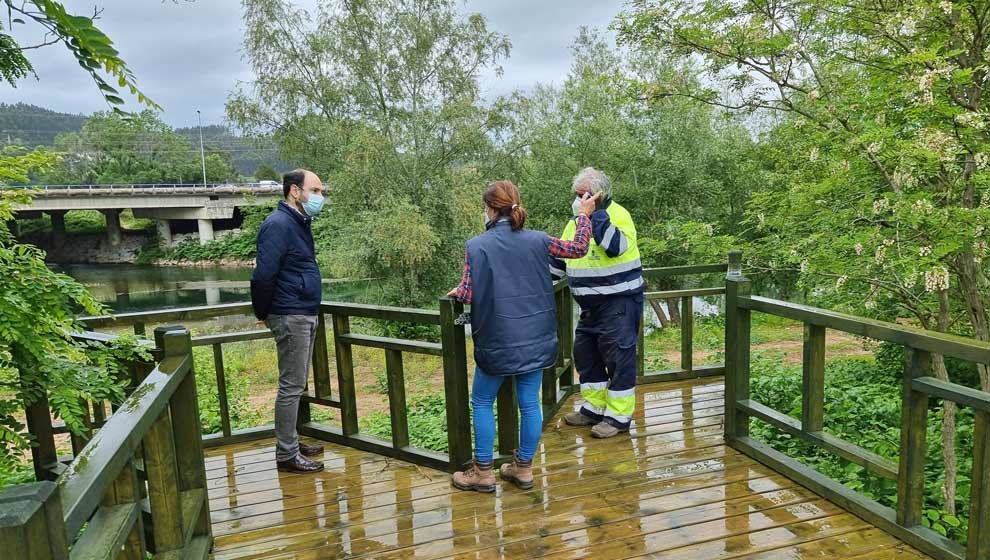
(381, 98)
(887, 155)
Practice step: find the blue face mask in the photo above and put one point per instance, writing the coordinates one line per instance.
(313, 205)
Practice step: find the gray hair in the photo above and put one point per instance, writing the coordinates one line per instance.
(595, 180)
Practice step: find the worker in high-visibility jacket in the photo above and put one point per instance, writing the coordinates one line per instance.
(608, 285)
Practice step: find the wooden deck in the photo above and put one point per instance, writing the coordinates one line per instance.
(670, 490)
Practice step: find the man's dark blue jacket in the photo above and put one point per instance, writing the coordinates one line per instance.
(286, 279)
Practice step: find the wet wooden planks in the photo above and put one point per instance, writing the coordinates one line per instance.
(670, 489)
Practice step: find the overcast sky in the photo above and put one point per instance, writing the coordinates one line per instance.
(188, 55)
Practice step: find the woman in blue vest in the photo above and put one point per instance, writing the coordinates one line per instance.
(514, 325)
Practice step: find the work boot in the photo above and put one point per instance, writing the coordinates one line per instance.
(478, 477)
(310, 450)
(579, 418)
(603, 430)
(518, 472)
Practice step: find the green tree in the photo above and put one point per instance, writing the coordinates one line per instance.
(883, 147)
(265, 172)
(679, 168)
(138, 148)
(91, 48)
(37, 357)
(381, 98)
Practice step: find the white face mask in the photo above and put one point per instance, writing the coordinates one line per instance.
(576, 206)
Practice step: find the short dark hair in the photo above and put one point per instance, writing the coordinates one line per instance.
(295, 177)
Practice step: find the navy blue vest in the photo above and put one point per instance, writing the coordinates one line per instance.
(513, 316)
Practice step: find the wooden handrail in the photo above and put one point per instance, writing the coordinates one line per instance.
(919, 387)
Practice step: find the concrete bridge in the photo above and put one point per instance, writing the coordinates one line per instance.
(163, 203)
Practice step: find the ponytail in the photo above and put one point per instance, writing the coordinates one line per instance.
(517, 215)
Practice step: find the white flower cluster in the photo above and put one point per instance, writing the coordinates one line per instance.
(910, 280)
(880, 255)
(980, 251)
(972, 120)
(840, 282)
(858, 248)
(874, 148)
(923, 206)
(937, 279)
(946, 6)
(880, 206)
(925, 251)
(978, 232)
(939, 143)
(902, 178)
(813, 155)
(710, 230)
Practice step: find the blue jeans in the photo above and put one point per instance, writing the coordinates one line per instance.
(483, 395)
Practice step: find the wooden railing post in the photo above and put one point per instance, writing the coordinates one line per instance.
(565, 327)
(44, 456)
(737, 327)
(395, 376)
(187, 431)
(345, 376)
(455, 383)
(221, 376)
(321, 360)
(979, 506)
(813, 395)
(687, 333)
(32, 527)
(914, 418)
(125, 490)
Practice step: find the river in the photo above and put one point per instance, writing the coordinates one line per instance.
(126, 288)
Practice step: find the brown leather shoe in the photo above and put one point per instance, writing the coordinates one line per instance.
(299, 464)
(310, 450)
(477, 477)
(518, 472)
(578, 418)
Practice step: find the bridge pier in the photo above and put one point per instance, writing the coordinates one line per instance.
(114, 233)
(205, 231)
(58, 228)
(164, 232)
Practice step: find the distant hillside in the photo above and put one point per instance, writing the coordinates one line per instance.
(23, 124)
(29, 125)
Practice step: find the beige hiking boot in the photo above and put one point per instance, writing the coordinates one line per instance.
(577, 418)
(518, 472)
(477, 477)
(603, 430)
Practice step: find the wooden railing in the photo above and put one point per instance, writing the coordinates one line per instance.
(918, 388)
(138, 485)
(688, 369)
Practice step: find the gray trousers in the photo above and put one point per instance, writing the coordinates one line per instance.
(294, 338)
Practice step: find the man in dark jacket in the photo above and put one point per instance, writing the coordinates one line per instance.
(285, 292)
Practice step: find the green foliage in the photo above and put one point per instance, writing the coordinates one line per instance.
(397, 128)
(862, 406)
(427, 423)
(30, 125)
(140, 148)
(235, 368)
(265, 172)
(92, 49)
